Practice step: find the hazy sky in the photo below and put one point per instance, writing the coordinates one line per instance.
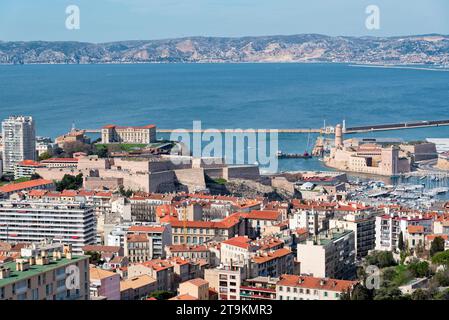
(111, 20)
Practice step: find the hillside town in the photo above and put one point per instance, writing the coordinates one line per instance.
(118, 219)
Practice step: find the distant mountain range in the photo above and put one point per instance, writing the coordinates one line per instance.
(423, 49)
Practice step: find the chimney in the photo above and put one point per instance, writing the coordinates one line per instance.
(4, 272)
(22, 265)
(68, 251)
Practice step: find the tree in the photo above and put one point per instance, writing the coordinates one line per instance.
(45, 156)
(101, 151)
(125, 193)
(94, 257)
(419, 269)
(420, 294)
(382, 259)
(437, 246)
(401, 244)
(70, 182)
(360, 292)
(35, 176)
(441, 258)
(162, 295)
(76, 146)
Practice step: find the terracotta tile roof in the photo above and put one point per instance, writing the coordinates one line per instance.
(241, 241)
(136, 282)
(13, 187)
(263, 215)
(112, 249)
(415, 229)
(187, 248)
(158, 264)
(64, 160)
(431, 237)
(147, 229)
(137, 238)
(315, 283)
(99, 274)
(197, 282)
(271, 256)
(113, 126)
(29, 163)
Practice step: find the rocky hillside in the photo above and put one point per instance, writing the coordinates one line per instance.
(427, 49)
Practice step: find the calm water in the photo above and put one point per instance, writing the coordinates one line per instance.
(226, 96)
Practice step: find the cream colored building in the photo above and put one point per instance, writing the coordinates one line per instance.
(61, 276)
(291, 287)
(139, 135)
(198, 288)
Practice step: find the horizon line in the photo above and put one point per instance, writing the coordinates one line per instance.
(235, 37)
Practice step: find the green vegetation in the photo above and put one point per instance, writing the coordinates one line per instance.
(437, 246)
(94, 257)
(45, 156)
(20, 180)
(162, 295)
(117, 147)
(125, 193)
(381, 259)
(441, 258)
(70, 182)
(220, 181)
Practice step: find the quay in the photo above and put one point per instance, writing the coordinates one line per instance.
(327, 130)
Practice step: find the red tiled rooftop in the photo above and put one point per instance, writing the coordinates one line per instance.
(12, 187)
(315, 283)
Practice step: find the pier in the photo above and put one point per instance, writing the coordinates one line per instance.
(348, 130)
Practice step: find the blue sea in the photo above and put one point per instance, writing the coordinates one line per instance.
(227, 96)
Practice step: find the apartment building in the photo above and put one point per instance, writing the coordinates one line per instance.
(105, 284)
(192, 252)
(39, 184)
(25, 168)
(330, 254)
(390, 225)
(19, 141)
(292, 287)
(197, 288)
(226, 281)
(137, 288)
(364, 227)
(119, 134)
(160, 270)
(62, 276)
(200, 232)
(33, 221)
(259, 288)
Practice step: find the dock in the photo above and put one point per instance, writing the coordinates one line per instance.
(348, 130)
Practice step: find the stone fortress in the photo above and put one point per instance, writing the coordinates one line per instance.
(385, 157)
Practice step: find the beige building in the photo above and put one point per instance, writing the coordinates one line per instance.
(61, 276)
(139, 135)
(225, 280)
(330, 254)
(137, 287)
(370, 158)
(291, 287)
(197, 288)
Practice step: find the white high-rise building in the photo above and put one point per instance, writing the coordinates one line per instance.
(34, 221)
(19, 141)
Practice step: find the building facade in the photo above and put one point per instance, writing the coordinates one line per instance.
(19, 141)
